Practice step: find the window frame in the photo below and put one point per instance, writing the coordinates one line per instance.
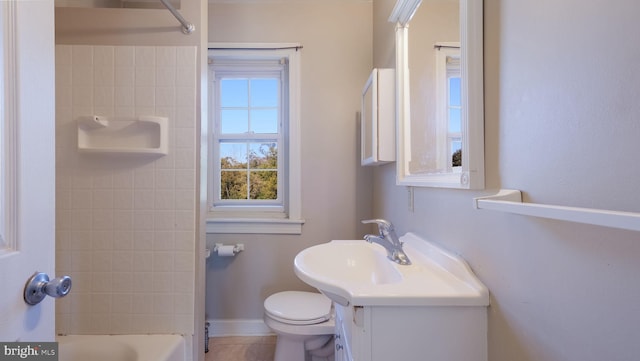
(285, 218)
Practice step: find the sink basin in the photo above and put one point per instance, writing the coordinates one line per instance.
(351, 262)
(354, 272)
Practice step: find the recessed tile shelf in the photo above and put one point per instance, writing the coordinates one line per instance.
(141, 135)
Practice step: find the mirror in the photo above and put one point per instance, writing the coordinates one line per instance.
(439, 93)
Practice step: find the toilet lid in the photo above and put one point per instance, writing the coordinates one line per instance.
(300, 308)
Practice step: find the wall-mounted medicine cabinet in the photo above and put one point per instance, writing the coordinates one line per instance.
(378, 132)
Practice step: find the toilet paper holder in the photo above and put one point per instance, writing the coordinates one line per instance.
(224, 250)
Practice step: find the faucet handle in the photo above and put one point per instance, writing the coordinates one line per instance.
(384, 226)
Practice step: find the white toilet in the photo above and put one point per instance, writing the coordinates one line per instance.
(304, 324)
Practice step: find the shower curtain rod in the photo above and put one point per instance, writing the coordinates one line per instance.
(187, 27)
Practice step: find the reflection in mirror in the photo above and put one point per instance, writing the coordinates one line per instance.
(440, 99)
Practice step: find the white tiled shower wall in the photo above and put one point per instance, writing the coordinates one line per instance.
(126, 223)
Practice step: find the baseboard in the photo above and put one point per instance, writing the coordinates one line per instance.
(238, 327)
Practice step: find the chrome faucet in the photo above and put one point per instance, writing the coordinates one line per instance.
(389, 240)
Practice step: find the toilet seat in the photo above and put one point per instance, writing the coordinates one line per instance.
(298, 308)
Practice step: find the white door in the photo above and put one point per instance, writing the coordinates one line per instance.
(27, 167)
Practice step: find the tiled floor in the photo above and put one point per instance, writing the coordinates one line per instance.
(259, 348)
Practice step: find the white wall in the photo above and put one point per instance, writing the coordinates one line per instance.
(561, 124)
(336, 192)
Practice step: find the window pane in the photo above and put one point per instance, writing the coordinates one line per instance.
(233, 155)
(264, 185)
(263, 155)
(233, 185)
(234, 121)
(456, 145)
(264, 92)
(264, 121)
(454, 92)
(456, 151)
(455, 116)
(234, 93)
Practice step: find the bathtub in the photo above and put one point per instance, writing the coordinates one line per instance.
(121, 348)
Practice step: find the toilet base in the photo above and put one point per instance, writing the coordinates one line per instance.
(303, 343)
(296, 348)
(286, 348)
(304, 325)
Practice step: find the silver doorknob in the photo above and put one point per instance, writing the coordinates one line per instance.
(39, 286)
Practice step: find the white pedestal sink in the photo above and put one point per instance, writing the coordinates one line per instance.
(357, 272)
(434, 308)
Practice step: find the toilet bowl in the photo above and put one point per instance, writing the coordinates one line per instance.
(304, 325)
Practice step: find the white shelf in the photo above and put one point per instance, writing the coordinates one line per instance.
(141, 135)
(510, 201)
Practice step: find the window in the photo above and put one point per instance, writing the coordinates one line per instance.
(253, 140)
(449, 106)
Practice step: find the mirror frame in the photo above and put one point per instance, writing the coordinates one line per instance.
(471, 59)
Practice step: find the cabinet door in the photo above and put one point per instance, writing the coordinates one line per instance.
(341, 340)
(340, 354)
(344, 336)
(360, 334)
(377, 118)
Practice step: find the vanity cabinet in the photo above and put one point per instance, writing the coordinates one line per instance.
(411, 333)
(377, 128)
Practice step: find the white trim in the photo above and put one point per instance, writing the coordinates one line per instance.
(9, 132)
(291, 220)
(471, 15)
(254, 225)
(403, 108)
(238, 327)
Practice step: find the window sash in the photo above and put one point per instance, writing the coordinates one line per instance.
(254, 69)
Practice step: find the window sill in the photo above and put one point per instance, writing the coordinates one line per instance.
(254, 225)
